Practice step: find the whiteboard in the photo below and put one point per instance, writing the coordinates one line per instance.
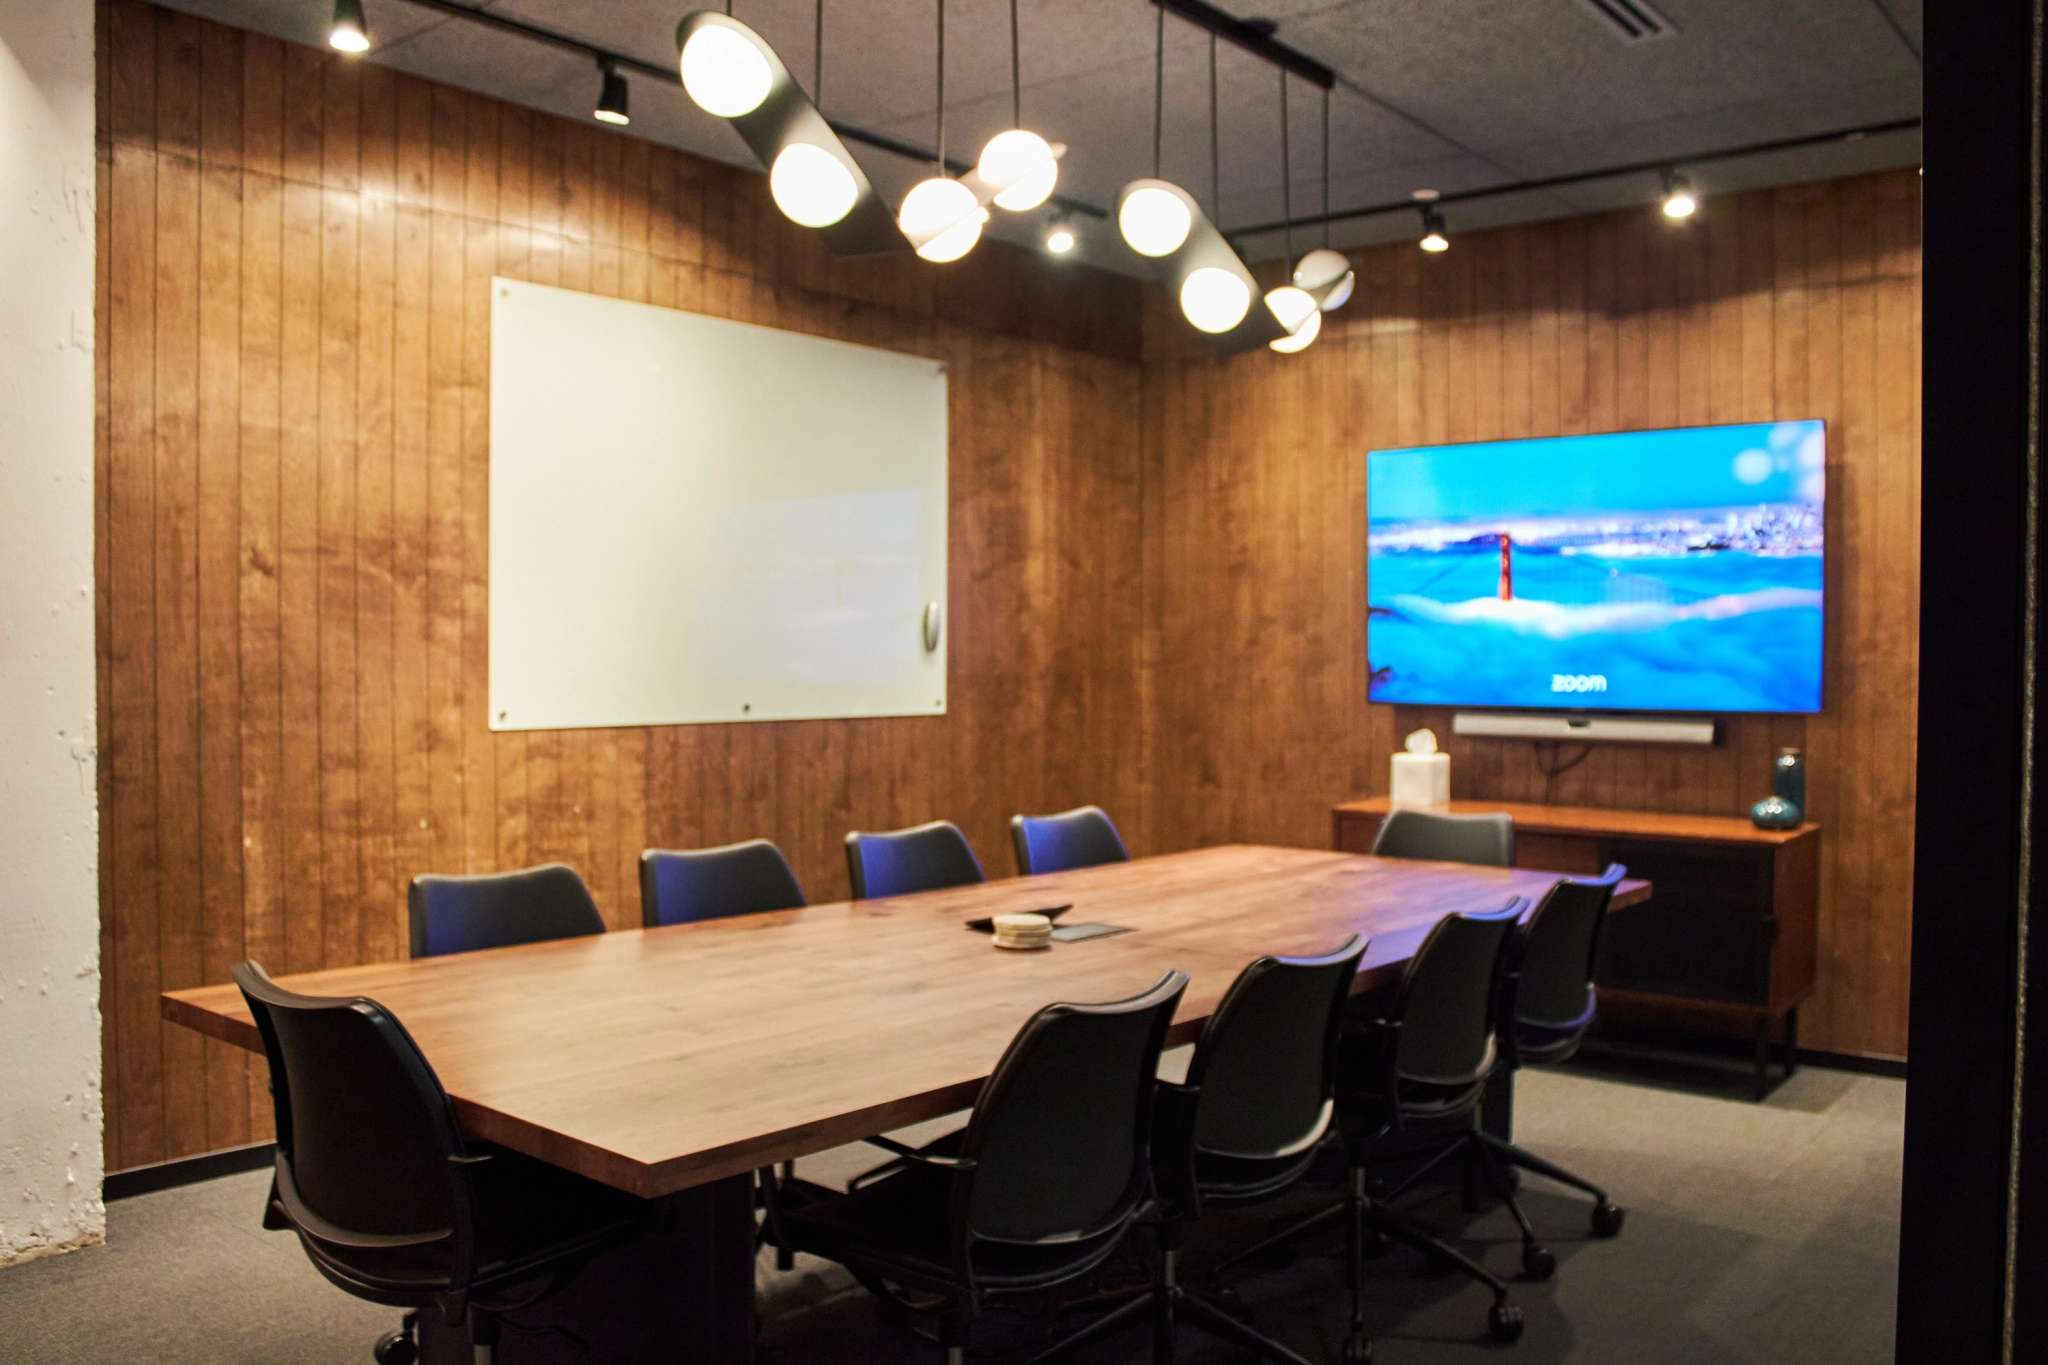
(697, 520)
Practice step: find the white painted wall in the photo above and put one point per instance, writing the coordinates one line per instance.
(50, 1153)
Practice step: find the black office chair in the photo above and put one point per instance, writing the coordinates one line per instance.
(1412, 1071)
(1485, 839)
(1242, 1129)
(1082, 837)
(1547, 1006)
(1038, 1189)
(388, 1200)
(681, 886)
(922, 858)
(532, 905)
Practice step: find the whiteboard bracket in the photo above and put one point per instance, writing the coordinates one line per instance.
(933, 625)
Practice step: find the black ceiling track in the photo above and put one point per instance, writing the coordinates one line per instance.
(1553, 182)
(881, 142)
(1253, 38)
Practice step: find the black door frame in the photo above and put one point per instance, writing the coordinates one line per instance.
(1972, 1276)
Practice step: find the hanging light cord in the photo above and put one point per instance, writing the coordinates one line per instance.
(1215, 162)
(1326, 167)
(1016, 79)
(1286, 171)
(818, 64)
(1158, 88)
(942, 87)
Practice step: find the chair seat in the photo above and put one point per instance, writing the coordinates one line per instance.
(530, 1215)
(898, 1229)
(1228, 1180)
(1545, 1045)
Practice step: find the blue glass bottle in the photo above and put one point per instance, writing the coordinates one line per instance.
(1788, 778)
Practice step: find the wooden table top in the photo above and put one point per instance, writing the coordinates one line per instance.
(658, 1059)
(1592, 820)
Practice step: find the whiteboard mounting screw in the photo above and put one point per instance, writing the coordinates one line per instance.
(746, 708)
(501, 716)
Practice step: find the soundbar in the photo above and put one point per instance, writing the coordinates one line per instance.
(1582, 729)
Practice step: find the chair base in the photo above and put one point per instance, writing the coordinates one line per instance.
(1496, 1161)
(1355, 1214)
(1166, 1305)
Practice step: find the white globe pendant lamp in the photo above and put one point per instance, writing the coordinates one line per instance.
(1214, 300)
(724, 72)
(1154, 220)
(941, 218)
(1021, 167)
(1299, 339)
(811, 186)
(1328, 276)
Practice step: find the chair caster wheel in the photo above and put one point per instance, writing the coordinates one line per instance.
(1504, 1322)
(1357, 1351)
(1607, 1218)
(395, 1348)
(1538, 1263)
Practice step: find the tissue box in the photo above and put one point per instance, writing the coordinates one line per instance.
(1421, 780)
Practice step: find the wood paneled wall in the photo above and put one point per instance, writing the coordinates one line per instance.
(295, 252)
(1791, 303)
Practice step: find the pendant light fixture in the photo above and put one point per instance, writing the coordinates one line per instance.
(1153, 216)
(1326, 274)
(1060, 238)
(941, 216)
(348, 33)
(1200, 269)
(1019, 167)
(730, 71)
(1292, 306)
(611, 95)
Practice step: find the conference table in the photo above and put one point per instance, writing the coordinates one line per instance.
(674, 1062)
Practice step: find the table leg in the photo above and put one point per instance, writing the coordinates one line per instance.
(681, 1296)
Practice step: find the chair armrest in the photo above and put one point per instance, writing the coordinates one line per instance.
(944, 1163)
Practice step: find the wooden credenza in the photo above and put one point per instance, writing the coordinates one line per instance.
(1727, 939)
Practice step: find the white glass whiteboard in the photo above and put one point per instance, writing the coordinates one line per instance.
(700, 520)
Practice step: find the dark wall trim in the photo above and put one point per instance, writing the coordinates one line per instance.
(1973, 838)
(167, 1175)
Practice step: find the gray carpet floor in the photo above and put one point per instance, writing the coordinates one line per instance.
(1756, 1233)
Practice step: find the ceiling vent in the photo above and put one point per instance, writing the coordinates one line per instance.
(1632, 21)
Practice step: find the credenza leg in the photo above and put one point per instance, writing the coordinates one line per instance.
(1791, 1042)
(1762, 1074)
(684, 1295)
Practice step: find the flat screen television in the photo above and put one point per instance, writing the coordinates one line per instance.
(1643, 571)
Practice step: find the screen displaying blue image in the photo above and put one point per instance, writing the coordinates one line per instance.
(1639, 571)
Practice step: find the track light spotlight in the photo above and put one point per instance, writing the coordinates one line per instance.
(611, 96)
(1679, 200)
(1433, 238)
(1059, 238)
(348, 33)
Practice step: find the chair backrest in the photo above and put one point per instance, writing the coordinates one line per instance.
(678, 886)
(1553, 970)
(460, 914)
(1060, 1134)
(1448, 994)
(1484, 839)
(921, 858)
(365, 1133)
(1083, 837)
(1265, 1068)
